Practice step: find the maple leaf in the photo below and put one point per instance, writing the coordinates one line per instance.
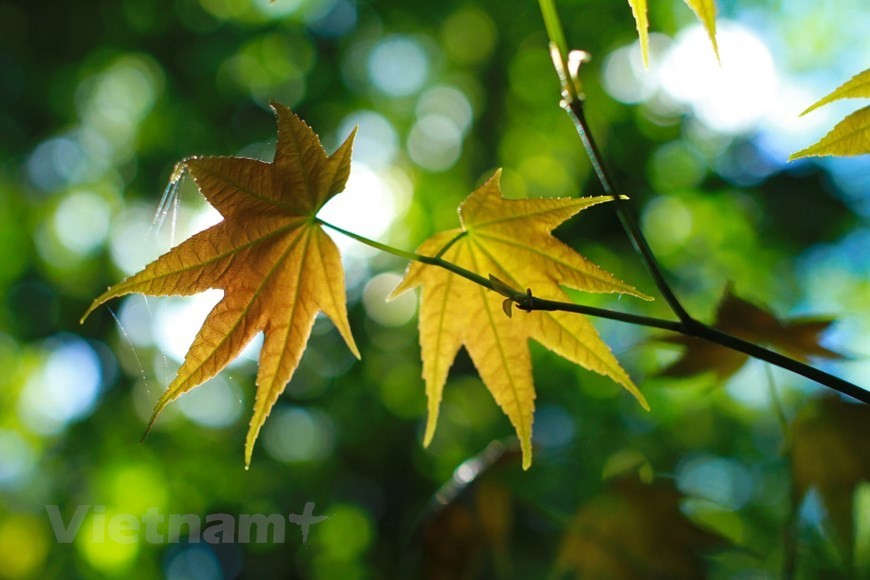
(634, 530)
(798, 338)
(275, 264)
(511, 240)
(831, 451)
(851, 136)
(471, 517)
(705, 10)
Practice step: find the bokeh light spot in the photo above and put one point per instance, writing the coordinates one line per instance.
(81, 221)
(215, 403)
(449, 102)
(722, 481)
(393, 313)
(376, 141)
(16, 458)
(293, 434)
(23, 545)
(369, 205)
(64, 389)
(347, 533)
(469, 35)
(435, 142)
(194, 562)
(733, 97)
(398, 66)
(668, 223)
(96, 545)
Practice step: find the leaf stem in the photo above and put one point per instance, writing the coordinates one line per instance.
(430, 260)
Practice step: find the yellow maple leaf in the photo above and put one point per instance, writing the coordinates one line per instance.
(511, 240)
(275, 264)
(705, 10)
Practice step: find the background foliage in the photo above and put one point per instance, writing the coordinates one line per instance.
(99, 102)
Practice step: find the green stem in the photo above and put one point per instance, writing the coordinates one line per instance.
(691, 328)
(558, 43)
(430, 260)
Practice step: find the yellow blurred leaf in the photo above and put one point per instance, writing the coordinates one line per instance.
(511, 240)
(705, 10)
(634, 530)
(798, 338)
(276, 266)
(851, 136)
(641, 19)
(856, 87)
(830, 450)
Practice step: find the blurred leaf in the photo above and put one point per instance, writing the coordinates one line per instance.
(276, 266)
(639, 11)
(831, 451)
(634, 530)
(471, 517)
(798, 338)
(851, 136)
(509, 239)
(856, 87)
(705, 10)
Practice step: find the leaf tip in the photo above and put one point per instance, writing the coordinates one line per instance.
(249, 445)
(644, 403)
(94, 305)
(526, 447)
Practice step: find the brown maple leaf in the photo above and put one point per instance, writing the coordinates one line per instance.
(269, 255)
(830, 450)
(634, 530)
(797, 337)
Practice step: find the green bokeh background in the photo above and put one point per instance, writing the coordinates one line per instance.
(99, 100)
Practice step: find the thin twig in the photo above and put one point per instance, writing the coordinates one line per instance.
(574, 107)
(528, 302)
